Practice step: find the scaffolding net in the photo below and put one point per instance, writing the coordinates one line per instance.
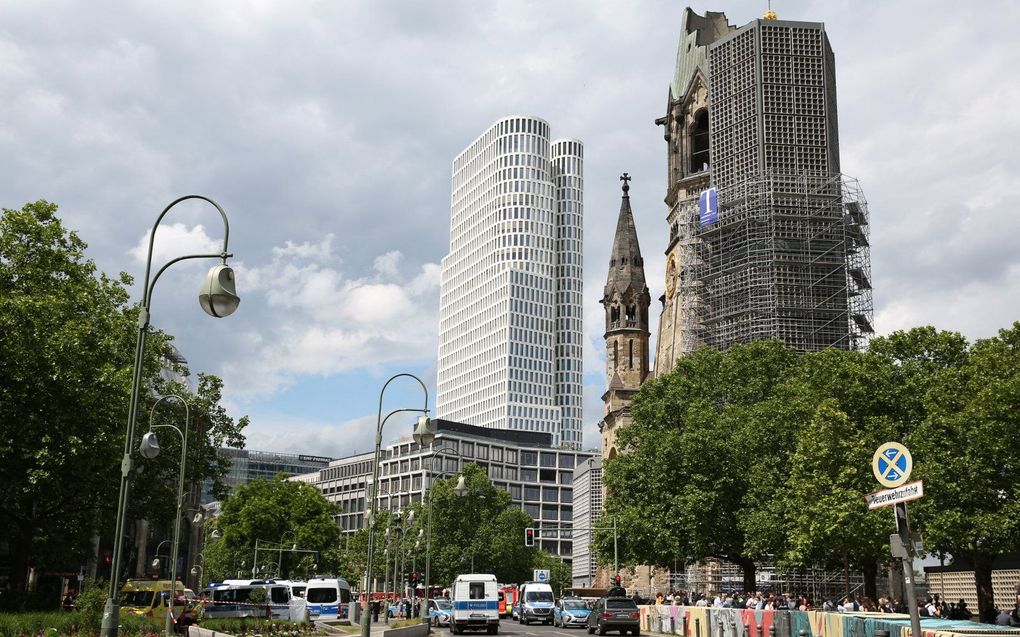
(784, 257)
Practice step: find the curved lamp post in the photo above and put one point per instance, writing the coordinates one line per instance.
(218, 298)
(150, 449)
(279, 556)
(366, 622)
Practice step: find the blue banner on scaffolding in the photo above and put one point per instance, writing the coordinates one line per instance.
(708, 207)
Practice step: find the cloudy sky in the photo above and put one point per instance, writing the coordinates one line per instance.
(326, 131)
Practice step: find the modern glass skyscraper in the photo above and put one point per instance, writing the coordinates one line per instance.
(510, 296)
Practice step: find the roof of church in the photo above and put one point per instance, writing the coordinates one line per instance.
(696, 33)
(626, 267)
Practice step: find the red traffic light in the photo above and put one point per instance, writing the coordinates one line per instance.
(529, 537)
(617, 580)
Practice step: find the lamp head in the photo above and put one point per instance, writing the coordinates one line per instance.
(461, 488)
(216, 534)
(425, 431)
(155, 563)
(410, 515)
(194, 570)
(150, 445)
(197, 519)
(218, 297)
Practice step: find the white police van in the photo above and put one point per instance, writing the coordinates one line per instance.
(475, 603)
(327, 597)
(536, 603)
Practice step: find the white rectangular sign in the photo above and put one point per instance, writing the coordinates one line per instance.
(905, 493)
(542, 575)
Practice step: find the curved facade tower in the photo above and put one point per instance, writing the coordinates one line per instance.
(510, 295)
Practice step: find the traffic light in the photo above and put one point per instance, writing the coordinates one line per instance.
(529, 537)
(616, 580)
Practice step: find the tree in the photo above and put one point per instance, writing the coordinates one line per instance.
(965, 415)
(67, 333)
(482, 528)
(677, 487)
(560, 576)
(274, 513)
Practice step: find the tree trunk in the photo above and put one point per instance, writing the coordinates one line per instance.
(750, 574)
(21, 548)
(983, 583)
(870, 570)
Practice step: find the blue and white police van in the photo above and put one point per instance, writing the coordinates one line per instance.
(475, 599)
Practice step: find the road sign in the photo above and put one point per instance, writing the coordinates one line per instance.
(904, 493)
(541, 575)
(891, 464)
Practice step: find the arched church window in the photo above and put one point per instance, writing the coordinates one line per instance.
(699, 142)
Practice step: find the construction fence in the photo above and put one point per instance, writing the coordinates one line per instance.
(694, 621)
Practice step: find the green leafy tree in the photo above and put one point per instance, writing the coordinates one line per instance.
(67, 333)
(676, 488)
(482, 528)
(965, 408)
(277, 514)
(560, 576)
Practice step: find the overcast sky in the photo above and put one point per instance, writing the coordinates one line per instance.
(326, 131)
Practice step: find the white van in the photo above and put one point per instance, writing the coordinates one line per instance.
(327, 597)
(231, 601)
(475, 603)
(536, 603)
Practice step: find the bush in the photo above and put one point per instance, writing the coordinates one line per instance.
(68, 624)
(249, 626)
(91, 603)
(403, 623)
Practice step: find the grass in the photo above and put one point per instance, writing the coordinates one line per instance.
(404, 623)
(66, 624)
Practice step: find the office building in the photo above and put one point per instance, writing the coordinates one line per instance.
(247, 465)
(538, 476)
(767, 239)
(510, 295)
(587, 509)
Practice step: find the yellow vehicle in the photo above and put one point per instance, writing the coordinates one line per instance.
(150, 597)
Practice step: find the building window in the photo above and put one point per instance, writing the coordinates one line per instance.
(548, 459)
(566, 461)
(699, 142)
(529, 475)
(532, 493)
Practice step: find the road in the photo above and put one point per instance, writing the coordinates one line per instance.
(513, 629)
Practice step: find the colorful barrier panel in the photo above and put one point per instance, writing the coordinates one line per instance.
(699, 621)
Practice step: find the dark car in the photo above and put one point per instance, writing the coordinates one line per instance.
(615, 613)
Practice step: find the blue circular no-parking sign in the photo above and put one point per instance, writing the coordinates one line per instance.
(891, 464)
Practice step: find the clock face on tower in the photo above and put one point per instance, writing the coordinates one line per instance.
(670, 276)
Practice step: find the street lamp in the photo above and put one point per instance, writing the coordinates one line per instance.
(279, 557)
(150, 449)
(374, 490)
(217, 298)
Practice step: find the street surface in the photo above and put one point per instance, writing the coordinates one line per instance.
(511, 627)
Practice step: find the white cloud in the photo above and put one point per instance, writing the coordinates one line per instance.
(326, 322)
(388, 263)
(175, 240)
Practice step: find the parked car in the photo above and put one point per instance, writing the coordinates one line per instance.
(570, 611)
(615, 613)
(439, 612)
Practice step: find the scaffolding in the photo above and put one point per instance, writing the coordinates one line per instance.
(713, 576)
(788, 258)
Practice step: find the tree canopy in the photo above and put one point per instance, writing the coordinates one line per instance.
(756, 453)
(67, 332)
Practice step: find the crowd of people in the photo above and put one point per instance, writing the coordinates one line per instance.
(931, 606)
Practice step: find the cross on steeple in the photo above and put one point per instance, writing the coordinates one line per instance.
(625, 178)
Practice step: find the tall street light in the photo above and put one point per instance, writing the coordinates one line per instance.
(366, 622)
(150, 449)
(219, 299)
(279, 557)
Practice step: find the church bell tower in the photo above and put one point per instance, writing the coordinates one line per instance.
(626, 301)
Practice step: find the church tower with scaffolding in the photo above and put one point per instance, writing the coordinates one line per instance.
(767, 239)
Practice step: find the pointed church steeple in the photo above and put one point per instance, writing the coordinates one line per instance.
(626, 267)
(626, 300)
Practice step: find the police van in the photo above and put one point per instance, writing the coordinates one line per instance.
(475, 603)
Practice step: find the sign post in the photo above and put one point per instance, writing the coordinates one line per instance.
(891, 465)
